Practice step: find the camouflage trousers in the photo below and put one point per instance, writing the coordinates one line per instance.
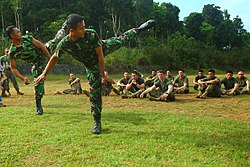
(158, 93)
(10, 77)
(210, 90)
(226, 91)
(94, 79)
(108, 45)
(182, 91)
(243, 90)
(37, 70)
(134, 94)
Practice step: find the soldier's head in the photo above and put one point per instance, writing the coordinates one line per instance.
(181, 73)
(135, 75)
(200, 73)
(76, 26)
(13, 33)
(211, 73)
(240, 74)
(161, 75)
(229, 74)
(106, 73)
(126, 75)
(154, 72)
(6, 51)
(169, 74)
(72, 76)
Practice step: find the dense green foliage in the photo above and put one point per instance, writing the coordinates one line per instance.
(202, 40)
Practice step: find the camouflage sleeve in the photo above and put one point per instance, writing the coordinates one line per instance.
(93, 37)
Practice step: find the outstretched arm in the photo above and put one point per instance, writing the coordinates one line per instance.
(52, 62)
(17, 73)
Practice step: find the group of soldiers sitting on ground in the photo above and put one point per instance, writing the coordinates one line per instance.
(161, 86)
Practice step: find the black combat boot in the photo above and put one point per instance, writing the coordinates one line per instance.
(39, 110)
(147, 25)
(97, 128)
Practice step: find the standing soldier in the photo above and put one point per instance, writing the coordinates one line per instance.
(85, 46)
(5, 62)
(32, 51)
(2, 78)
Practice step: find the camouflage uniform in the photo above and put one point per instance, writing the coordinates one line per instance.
(242, 84)
(106, 88)
(31, 54)
(5, 61)
(76, 88)
(228, 85)
(163, 88)
(151, 80)
(180, 82)
(83, 50)
(125, 82)
(134, 90)
(196, 80)
(213, 90)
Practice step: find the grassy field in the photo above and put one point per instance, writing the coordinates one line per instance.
(136, 132)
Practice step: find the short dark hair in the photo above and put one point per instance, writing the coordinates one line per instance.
(9, 30)
(229, 71)
(73, 20)
(135, 72)
(200, 71)
(181, 70)
(160, 71)
(212, 71)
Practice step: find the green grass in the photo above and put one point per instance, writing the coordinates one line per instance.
(136, 132)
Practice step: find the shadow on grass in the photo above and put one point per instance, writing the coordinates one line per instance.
(135, 119)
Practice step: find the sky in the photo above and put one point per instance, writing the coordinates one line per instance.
(234, 7)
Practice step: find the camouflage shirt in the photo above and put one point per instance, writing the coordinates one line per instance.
(229, 84)
(82, 50)
(134, 87)
(217, 85)
(242, 82)
(124, 81)
(198, 77)
(180, 81)
(27, 51)
(163, 85)
(76, 85)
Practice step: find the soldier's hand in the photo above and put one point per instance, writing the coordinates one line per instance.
(142, 96)
(26, 81)
(41, 78)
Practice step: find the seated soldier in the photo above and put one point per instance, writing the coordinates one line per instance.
(244, 83)
(231, 85)
(209, 87)
(165, 89)
(150, 79)
(122, 83)
(135, 86)
(169, 76)
(107, 85)
(181, 84)
(75, 87)
(199, 76)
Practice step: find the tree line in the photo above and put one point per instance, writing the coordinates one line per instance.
(210, 39)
